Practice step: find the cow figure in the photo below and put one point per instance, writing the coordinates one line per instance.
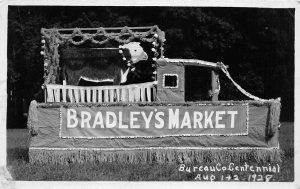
(105, 65)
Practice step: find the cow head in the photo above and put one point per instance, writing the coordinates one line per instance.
(136, 52)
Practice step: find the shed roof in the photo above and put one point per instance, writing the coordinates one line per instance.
(191, 62)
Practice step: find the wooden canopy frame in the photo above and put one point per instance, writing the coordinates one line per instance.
(53, 38)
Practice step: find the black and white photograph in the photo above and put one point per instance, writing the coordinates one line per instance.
(149, 92)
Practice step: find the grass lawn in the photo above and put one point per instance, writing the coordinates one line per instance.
(20, 169)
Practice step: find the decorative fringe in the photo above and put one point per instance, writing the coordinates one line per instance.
(45, 156)
(197, 103)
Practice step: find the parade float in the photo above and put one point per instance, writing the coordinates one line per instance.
(95, 111)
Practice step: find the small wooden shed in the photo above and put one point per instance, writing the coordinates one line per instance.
(175, 81)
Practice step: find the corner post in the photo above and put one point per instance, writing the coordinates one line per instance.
(214, 85)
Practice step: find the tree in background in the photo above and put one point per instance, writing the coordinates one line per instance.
(257, 44)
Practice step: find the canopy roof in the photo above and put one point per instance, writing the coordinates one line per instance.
(103, 35)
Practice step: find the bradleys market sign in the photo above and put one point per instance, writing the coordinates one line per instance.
(153, 121)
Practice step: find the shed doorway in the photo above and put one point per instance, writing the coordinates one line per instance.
(197, 83)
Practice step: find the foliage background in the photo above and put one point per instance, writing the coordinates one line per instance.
(256, 43)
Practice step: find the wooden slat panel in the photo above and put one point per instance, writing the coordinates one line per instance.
(106, 95)
(130, 95)
(76, 94)
(71, 95)
(134, 89)
(94, 95)
(123, 95)
(63, 91)
(148, 94)
(99, 95)
(64, 94)
(111, 95)
(118, 95)
(154, 92)
(49, 94)
(143, 97)
(57, 95)
(88, 94)
(82, 95)
(137, 94)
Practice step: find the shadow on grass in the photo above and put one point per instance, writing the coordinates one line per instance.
(16, 158)
(17, 154)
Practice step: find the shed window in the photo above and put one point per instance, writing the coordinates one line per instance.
(170, 81)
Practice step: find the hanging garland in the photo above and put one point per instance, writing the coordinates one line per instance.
(51, 58)
(149, 36)
(128, 62)
(223, 68)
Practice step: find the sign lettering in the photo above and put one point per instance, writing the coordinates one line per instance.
(153, 121)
